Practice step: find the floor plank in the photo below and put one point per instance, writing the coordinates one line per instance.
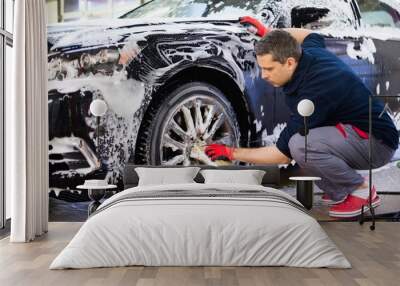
(375, 257)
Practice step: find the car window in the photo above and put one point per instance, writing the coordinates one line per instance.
(196, 8)
(311, 14)
(380, 13)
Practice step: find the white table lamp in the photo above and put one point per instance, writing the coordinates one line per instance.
(305, 109)
(98, 108)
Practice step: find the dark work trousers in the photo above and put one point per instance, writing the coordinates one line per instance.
(335, 158)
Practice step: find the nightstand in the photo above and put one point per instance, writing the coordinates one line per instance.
(304, 190)
(95, 193)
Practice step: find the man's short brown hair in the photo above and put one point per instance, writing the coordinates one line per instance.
(280, 45)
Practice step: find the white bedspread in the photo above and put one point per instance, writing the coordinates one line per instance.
(204, 230)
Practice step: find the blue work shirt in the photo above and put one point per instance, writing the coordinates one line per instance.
(338, 94)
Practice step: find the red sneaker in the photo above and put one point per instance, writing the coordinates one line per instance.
(326, 200)
(352, 206)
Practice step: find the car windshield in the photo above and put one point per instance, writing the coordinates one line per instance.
(379, 13)
(196, 9)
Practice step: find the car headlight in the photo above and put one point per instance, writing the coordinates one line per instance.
(60, 69)
(105, 61)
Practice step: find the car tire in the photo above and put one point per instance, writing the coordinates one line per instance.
(171, 135)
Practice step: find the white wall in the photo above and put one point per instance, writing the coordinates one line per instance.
(7, 128)
(9, 12)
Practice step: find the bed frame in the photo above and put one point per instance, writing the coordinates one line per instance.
(271, 177)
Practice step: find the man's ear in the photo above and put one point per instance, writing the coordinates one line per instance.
(291, 62)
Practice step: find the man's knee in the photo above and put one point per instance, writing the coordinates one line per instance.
(297, 148)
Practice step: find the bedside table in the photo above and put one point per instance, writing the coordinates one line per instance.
(95, 193)
(305, 190)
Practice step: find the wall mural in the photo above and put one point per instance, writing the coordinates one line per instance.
(176, 84)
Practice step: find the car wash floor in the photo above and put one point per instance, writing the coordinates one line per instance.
(385, 179)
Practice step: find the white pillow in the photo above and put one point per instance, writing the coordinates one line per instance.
(249, 177)
(162, 176)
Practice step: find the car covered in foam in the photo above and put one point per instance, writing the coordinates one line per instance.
(177, 75)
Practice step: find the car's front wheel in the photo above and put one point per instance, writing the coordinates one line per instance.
(177, 128)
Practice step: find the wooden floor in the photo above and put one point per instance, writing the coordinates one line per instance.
(375, 257)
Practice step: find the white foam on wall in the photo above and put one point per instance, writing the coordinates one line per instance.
(258, 124)
(271, 139)
(123, 96)
(366, 50)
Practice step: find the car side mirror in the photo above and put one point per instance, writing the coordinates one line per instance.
(309, 17)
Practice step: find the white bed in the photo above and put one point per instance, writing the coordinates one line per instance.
(201, 224)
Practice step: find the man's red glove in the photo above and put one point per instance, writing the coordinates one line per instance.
(261, 29)
(217, 150)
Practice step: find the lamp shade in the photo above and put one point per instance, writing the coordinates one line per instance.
(305, 107)
(98, 107)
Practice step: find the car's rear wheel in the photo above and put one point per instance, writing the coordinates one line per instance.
(178, 127)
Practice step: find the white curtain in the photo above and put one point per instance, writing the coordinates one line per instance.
(27, 145)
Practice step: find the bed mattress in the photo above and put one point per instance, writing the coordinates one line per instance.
(201, 225)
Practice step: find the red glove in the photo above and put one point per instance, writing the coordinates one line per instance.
(217, 150)
(261, 29)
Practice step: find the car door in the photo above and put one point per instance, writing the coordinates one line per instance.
(381, 20)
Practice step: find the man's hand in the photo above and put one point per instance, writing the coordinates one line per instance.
(261, 30)
(215, 151)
